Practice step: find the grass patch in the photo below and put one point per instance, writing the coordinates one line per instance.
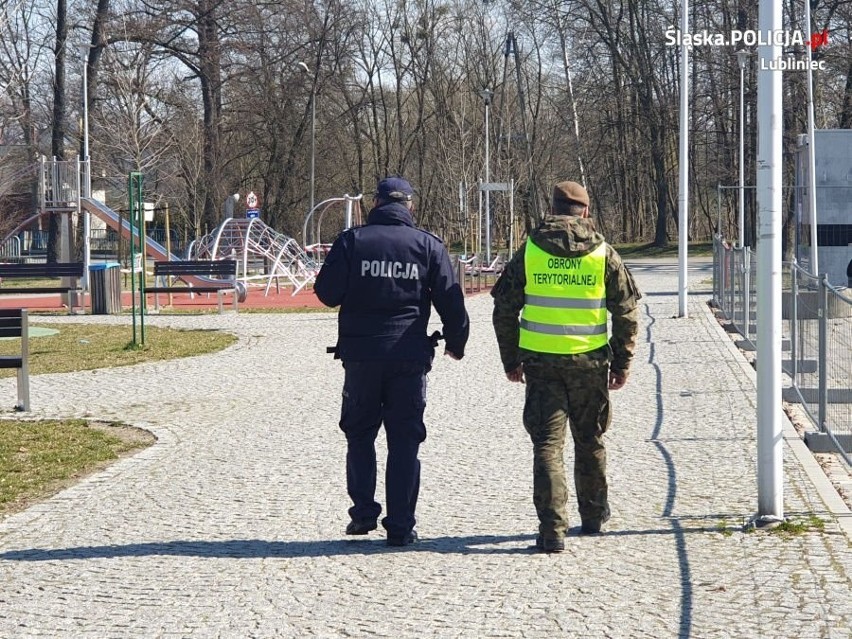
(246, 310)
(38, 459)
(649, 250)
(791, 527)
(79, 347)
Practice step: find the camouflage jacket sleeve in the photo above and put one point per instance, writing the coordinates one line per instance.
(508, 294)
(622, 299)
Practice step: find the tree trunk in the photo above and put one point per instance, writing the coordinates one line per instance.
(57, 141)
(209, 62)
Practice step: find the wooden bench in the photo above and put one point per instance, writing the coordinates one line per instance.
(14, 323)
(224, 270)
(48, 270)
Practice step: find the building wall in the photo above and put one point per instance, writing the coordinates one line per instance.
(833, 165)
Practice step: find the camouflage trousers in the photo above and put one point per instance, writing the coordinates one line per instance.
(579, 397)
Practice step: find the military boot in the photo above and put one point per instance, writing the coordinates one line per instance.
(549, 544)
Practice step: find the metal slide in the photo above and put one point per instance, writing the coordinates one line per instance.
(152, 248)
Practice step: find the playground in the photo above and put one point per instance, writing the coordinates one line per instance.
(269, 266)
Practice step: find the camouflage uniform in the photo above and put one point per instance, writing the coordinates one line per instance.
(567, 387)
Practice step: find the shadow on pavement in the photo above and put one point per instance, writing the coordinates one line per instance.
(367, 545)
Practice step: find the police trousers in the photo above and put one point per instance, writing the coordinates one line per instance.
(580, 397)
(392, 393)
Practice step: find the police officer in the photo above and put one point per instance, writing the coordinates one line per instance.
(385, 276)
(564, 282)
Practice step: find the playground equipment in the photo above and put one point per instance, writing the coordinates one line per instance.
(262, 253)
(347, 200)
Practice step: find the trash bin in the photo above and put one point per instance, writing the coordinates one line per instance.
(105, 288)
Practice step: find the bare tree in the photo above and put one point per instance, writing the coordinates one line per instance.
(57, 138)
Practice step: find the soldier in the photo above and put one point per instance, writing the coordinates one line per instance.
(563, 282)
(385, 276)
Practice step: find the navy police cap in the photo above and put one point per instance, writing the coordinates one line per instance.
(394, 188)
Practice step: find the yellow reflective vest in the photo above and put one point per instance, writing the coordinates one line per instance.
(564, 302)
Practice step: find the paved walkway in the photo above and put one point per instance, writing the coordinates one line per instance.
(231, 525)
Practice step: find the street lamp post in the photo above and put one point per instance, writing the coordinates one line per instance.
(87, 171)
(85, 51)
(683, 170)
(304, 67)
(742, 59)
(486, 95)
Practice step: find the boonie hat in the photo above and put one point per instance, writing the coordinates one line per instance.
(394, 188)
(566, 193)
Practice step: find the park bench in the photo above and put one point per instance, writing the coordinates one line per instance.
(36, 271)
(14, 323)
(224, 270)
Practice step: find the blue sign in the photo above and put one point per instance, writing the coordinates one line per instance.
(252, 213)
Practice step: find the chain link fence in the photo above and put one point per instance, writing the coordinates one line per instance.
(817, 339)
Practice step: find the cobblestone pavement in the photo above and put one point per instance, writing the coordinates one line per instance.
(231, 525)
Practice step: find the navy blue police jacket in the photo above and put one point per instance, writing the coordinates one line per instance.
(385, 276)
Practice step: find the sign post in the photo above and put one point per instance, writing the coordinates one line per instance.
(487, 187)
(252, 206)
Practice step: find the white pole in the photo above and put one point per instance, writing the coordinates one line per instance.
(87, 174)
(86, 117)
(462, 218)
(770, 442)
(313, 143)
(348, 222)
(719, 211)
(683, 188)
(304, 67)
(486, 95)
(512, 217)
(488, 188)
(812, 205)
(742, 59)
(479, 229)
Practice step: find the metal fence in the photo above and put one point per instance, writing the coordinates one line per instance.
(60, 183)
(11, 248)
(26, 246)
(467, 273)
(106, 241)
(473, 275)
(817, 326)
(734, 287)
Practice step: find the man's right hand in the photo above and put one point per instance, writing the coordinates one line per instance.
(452, 355)
(617, 380)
